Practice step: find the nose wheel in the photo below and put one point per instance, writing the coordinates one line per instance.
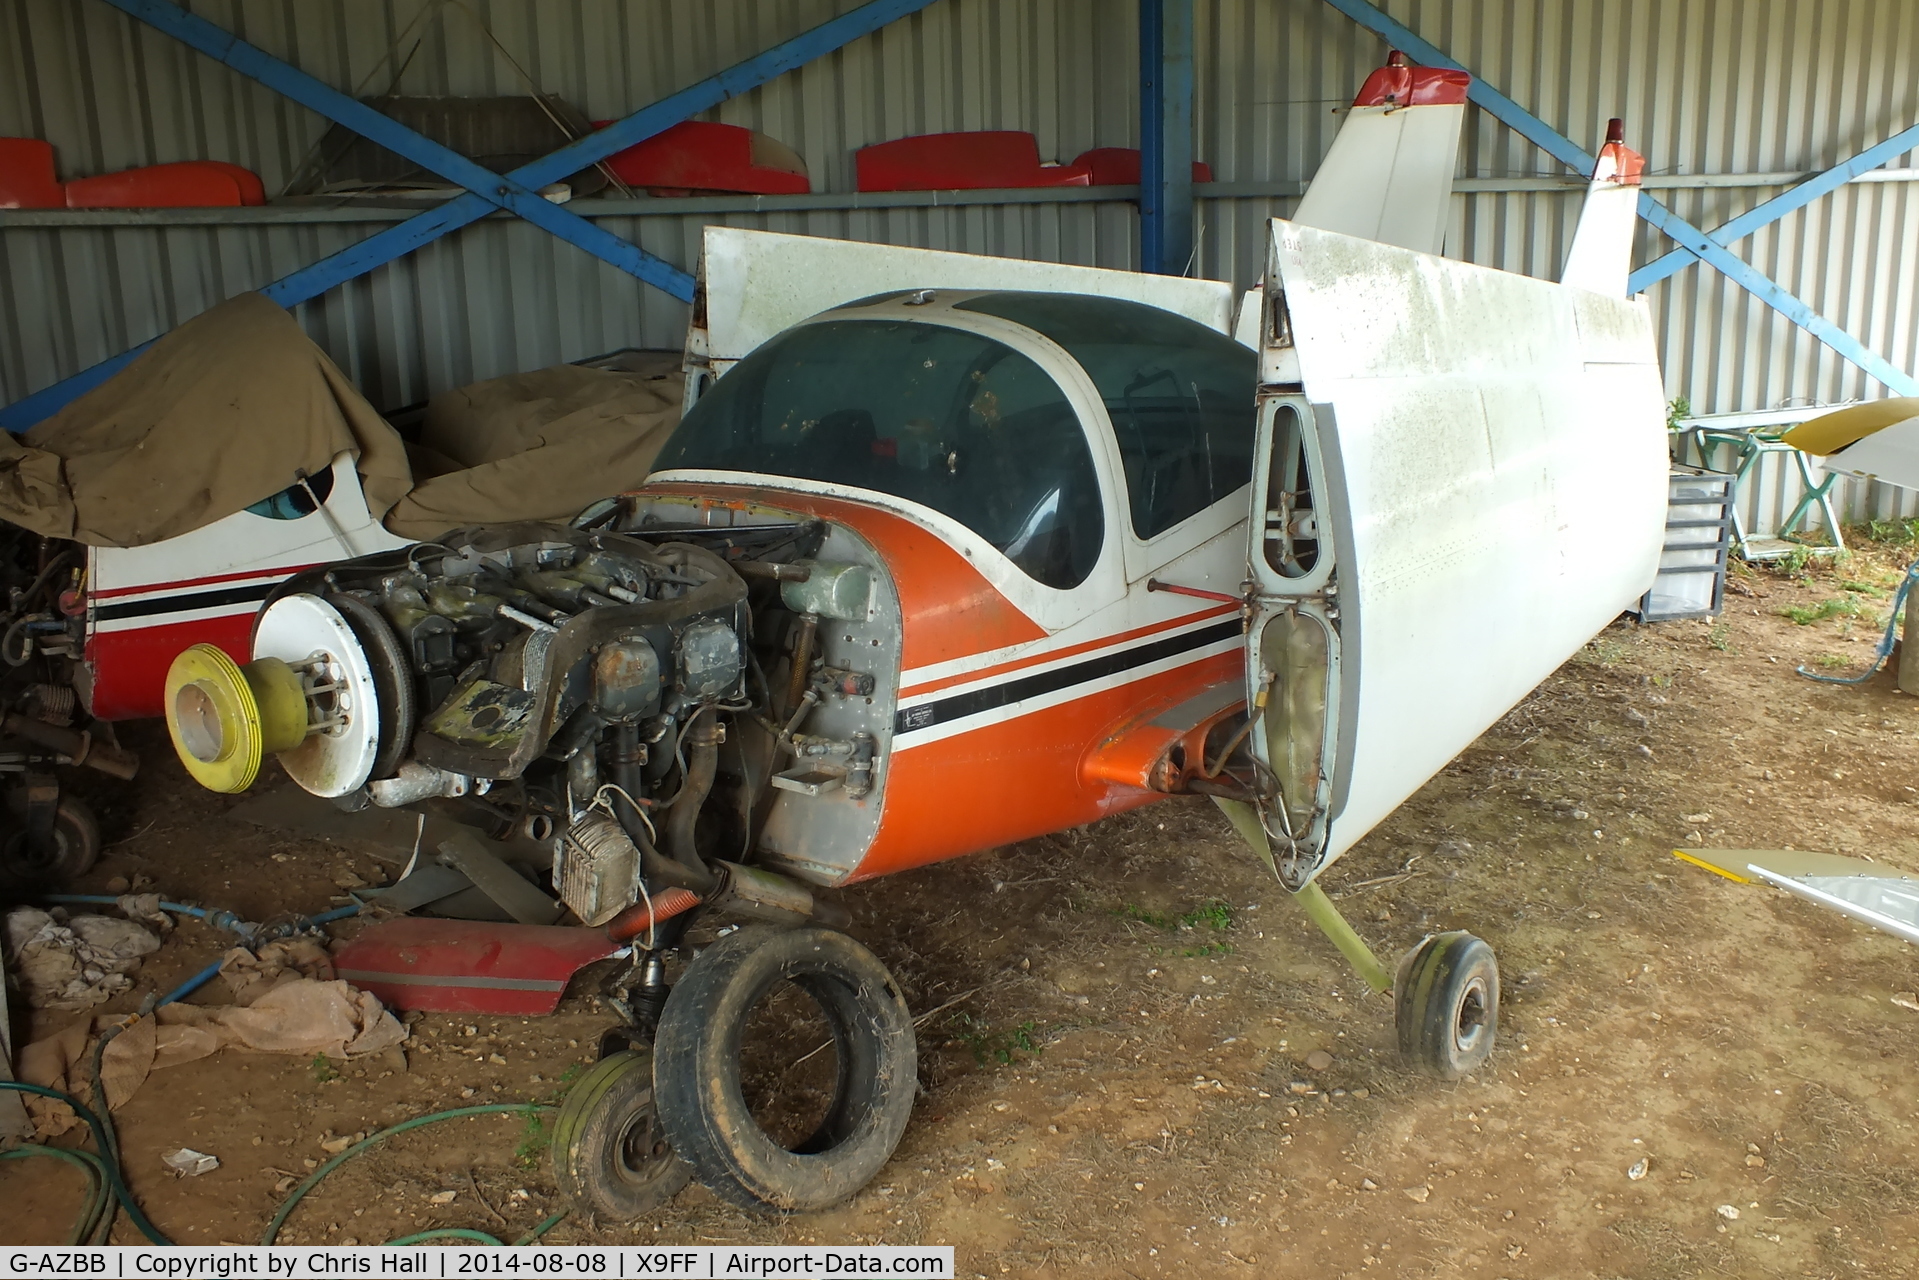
(1447, 1004)
(611, 1158)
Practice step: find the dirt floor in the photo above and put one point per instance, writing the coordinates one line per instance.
(1121, 1023)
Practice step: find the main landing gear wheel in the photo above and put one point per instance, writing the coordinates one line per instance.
(868, 1086)
(1447, 997)
(610, 1156)
(70, 851)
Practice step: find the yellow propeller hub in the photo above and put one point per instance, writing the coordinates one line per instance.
(225, 718)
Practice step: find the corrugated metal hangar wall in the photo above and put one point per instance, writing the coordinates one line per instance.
(1730, 100)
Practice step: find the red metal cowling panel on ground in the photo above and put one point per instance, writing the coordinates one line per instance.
(700, 155)
(973, 161)
(26, 175)
(1119, 166)
(187, 184)
(466, 966)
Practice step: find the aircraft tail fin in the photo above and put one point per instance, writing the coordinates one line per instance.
(1389, 174)
(1601, 254)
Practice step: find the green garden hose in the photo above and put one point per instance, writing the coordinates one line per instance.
(107, 1189)
(313, 1179)
(109, 1164)
(91, 1221)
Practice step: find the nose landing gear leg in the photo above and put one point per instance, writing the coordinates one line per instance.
(1445, 991)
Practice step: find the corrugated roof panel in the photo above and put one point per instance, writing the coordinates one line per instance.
(1707, 87)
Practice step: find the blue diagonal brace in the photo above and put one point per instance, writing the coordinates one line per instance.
(1779, 206)
(504, 192)
(1695, 241)
(423, 228)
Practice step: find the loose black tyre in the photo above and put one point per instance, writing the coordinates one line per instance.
(76, 845)
(610, 1156)
(1447, 996)
(698, 1073)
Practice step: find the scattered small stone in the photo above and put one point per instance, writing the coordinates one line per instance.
(1367, 1184)
(1300, 1087)
(1906, 1000)
(1362, 1094)
(1319, 1060)
(1695, 819)
(1755, 1162)
(1419, 1195)
(334, 1146)
(446, 1197)
(1000, 1106)
(1752, 1148)
(496, 1059)
(1639, 1168)
(348, 878)
(119, 884)
(1728, 1212)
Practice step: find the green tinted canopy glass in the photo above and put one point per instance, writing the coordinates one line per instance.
(1180, 395)
(941, 417)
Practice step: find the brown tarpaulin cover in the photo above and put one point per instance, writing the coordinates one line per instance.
(537, 446)
(222, 411)
(215, 416)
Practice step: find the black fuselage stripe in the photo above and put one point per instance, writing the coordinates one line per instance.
(249, 594)
(1020, 688)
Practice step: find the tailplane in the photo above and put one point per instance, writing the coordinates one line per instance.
(1601, 256)
(1389, 175)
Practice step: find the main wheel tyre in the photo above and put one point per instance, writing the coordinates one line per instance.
(1447, 996)
(74, 848)
(698, 1068)
(610, 1156)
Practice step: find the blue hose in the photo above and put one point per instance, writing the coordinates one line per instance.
(220, 918)
(1884, 649)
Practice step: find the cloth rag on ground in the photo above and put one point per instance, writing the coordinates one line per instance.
(302, 1017)
(250, 975)
(76, 964)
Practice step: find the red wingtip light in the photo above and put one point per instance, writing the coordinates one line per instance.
(1618, 163)
(1400, 84)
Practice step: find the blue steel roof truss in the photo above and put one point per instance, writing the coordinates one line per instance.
(516, 192)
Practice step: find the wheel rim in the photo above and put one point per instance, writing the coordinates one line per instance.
(1471, 1016)
(20, 852)
(641, 1148)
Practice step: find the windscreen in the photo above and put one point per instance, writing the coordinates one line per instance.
(948, 419)
(1180, 396)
